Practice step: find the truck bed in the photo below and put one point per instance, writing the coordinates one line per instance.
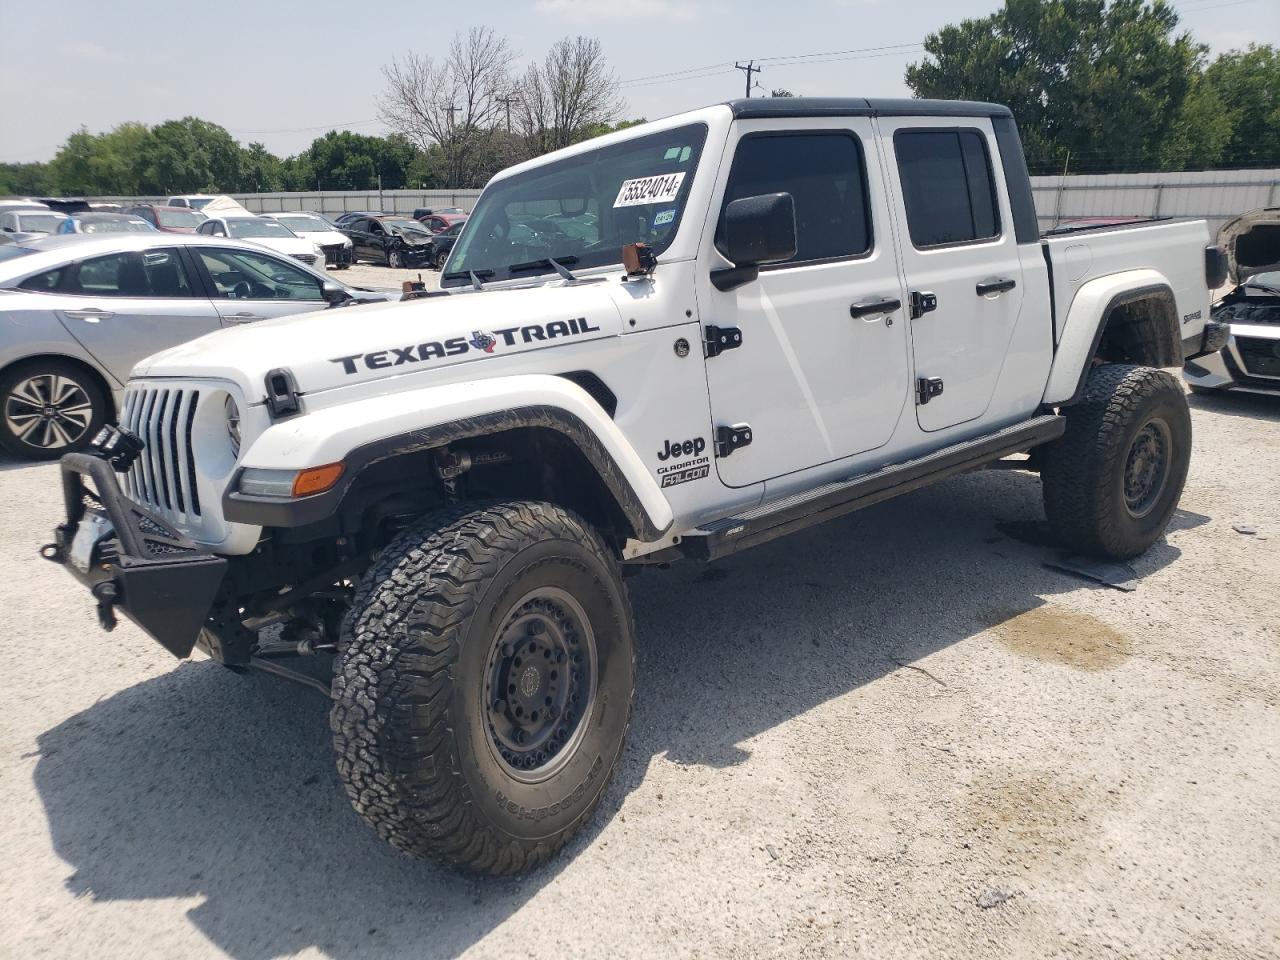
(1174, 249)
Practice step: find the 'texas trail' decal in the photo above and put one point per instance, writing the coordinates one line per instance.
(456, 346)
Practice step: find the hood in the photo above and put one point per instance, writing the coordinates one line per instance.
(343, 346)
(1252, 243)
(326, 238)
(289, 246)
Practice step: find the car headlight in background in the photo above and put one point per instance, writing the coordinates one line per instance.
(233, 424)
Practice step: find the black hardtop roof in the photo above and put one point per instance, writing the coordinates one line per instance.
(766, 107)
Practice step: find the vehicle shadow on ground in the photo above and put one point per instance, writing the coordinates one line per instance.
(1251, 405)
(204, 783)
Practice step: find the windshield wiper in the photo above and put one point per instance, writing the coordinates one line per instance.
(555, 263)
(474, 276)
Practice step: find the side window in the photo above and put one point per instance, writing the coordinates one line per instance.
(149, 273)
(46, 282)
(825, 175)
(241, 275)
(947, 186)
(375, 228)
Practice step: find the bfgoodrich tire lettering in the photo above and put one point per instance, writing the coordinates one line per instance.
(413, 704)
(1113, 480)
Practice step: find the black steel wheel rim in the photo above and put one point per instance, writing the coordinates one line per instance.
(540, 684)
(1146, 467)
(48, 410)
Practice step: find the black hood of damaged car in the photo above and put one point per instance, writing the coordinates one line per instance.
(1252, 243)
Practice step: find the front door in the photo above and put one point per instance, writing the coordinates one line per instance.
(958, 245)
(822, 370)
(252, 286)
(126, 306)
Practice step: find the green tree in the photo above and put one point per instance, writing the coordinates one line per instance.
(1247, 85)
(26, 179)
(187, 155)
(1103, 82)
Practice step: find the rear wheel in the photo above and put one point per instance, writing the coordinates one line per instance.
(1113, 480)
(483, 688)
(48, 408)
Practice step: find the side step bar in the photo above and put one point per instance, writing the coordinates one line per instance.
(785, 515)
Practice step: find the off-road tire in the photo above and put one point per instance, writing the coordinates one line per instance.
(411, 716)
(1085, 472)
(86, 401)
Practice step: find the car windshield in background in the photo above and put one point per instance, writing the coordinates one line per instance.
(582, 210)
(38, 222)
(180, 218)
(406, 226)
(305, 224)
(248, 229)
(1271, 279)
(11, 251)
(200, 203)
(115, 226)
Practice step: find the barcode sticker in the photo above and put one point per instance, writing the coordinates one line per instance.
(659, 189)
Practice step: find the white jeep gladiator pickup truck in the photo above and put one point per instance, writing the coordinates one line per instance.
(679, 340)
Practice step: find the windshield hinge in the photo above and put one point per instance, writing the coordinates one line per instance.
(716, 340)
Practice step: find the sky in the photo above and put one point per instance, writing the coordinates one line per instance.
(283, 72)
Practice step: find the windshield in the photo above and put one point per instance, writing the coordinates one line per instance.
(403, 227)
(1271, 279)
(9, 251)
(180, 218)
(198, 203)
(39, 222)
(247, 229)
(582, 210)
(115, 226)
(304, 224)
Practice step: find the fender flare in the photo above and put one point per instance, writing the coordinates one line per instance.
(368, 431)
(1087, 320)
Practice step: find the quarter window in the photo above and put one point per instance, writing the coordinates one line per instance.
(947, 186)
(825, 175)
(46, 282)
(148, 273)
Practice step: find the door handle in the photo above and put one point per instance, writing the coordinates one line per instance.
(1001, 285)
(242, 317)
(874, 308)
(90, 314)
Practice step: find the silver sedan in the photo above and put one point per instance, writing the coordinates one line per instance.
(77, 312)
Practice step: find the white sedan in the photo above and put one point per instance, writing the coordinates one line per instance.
(268, 233)
(335, 246)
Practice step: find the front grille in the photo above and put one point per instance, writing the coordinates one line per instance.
(1261, 357)
(307, 258)
(164, 475)
(336, 253)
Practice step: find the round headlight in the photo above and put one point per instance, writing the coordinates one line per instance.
(233, 424)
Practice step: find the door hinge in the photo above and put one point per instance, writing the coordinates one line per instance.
(716, 340)
(927, 388)
(922, 302)
(729, 439)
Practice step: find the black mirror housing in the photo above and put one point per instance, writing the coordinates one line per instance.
(757, 231)
(335, 293)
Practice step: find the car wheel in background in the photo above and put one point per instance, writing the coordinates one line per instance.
(395, 260)
(48, 408)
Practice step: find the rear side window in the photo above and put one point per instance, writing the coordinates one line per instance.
(149, 273)
(825, 175)
(46, 282)
(947, 186)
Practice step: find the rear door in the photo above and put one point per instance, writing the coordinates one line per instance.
(126, 306)
(822, 370)
(960, 258)
(249, 285)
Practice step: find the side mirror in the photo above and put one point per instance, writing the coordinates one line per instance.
(757, 231)
(335, 293)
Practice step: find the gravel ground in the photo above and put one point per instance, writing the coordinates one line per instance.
(898, 735)
(384, 278)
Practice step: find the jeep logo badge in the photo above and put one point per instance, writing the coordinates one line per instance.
(681, 448)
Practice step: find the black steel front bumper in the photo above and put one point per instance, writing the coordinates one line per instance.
(131, 559)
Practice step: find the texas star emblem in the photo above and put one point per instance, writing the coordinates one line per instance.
(483, 341)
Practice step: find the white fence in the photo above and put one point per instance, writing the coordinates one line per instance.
(1213, 195)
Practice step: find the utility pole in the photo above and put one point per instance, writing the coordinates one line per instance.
(748, 69)
(507, 102)
(451, 110)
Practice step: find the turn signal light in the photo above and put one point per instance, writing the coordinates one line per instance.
(316, 479)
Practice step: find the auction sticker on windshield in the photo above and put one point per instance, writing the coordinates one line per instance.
(660, 189)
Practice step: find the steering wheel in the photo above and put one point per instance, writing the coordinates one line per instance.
(242, 290)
